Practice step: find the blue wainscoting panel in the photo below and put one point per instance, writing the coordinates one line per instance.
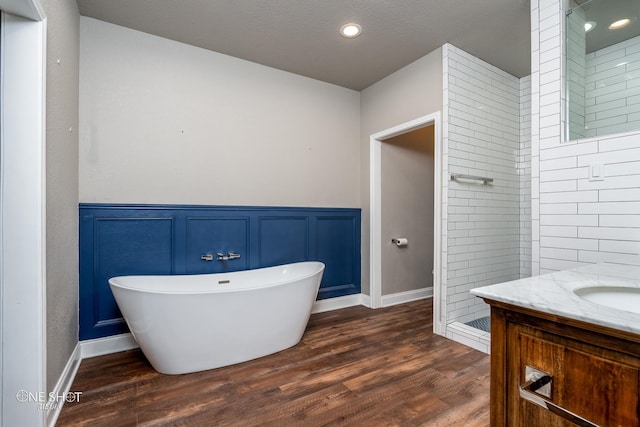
(341, 274)
(171, 239)
(122, 246)
(217, 235)
(283, 240)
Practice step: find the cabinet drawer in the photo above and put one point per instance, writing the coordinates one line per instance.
(597, 384)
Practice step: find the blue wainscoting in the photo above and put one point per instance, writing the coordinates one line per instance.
(118, 240)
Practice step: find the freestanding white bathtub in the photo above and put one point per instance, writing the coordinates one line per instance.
(190, 323)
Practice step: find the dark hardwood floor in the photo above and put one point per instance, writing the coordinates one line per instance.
(353, 367)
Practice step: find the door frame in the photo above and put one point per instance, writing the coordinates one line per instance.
(22, 213)
(375, 211)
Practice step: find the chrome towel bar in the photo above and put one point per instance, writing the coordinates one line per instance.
(457, 176)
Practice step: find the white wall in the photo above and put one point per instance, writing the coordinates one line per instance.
(164, 122)
(407, 210)
(481, 125)
(575, 221)
(411, 92)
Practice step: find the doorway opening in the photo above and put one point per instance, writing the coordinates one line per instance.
(376, 212)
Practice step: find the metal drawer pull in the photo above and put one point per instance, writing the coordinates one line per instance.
(537, 390)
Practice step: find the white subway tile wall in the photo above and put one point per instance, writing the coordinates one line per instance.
(575, 220)
(612, 89)
(482, 128)
(535, 133)
(524, 171)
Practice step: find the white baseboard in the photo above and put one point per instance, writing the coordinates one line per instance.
(63, 386)
(339, 302)
(362, 299)
(407, 296)
(366, 300)
(108, 345)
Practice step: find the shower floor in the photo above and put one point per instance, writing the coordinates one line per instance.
(474, 334)
(483, 324)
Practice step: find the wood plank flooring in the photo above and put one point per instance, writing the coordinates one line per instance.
(353, 367)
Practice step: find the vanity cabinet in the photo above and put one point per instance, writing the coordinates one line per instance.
(594, 371)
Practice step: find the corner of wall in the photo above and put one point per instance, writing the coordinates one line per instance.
(62, 118)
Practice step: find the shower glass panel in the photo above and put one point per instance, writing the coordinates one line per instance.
(602, 68)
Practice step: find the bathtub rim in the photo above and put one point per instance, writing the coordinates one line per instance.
(320, 267)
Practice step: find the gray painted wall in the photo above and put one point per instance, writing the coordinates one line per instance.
(407, 210)
(61, 183)
(165, 122)
(409, 93)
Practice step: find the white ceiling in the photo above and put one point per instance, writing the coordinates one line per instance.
(301, 36)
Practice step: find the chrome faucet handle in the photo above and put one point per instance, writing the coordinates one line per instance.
(231, 255)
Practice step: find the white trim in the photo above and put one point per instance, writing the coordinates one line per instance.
(29, 9)
(63, 385)
(407, 296)
(442, 180)
(375, 179)
(366, 300)
(375, 213)
(107, 345)
(440, 228)
(22, 218)
(337, 303)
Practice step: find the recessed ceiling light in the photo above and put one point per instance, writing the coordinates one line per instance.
(350, 30)
(589, 25)
(621, 23)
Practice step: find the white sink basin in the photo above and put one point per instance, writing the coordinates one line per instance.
(621, 298)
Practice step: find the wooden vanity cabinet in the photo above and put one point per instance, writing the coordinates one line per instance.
(594, 370)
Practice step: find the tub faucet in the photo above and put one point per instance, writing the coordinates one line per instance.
(230, 255)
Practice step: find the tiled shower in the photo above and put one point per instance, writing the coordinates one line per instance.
(486, 129)
(566, 219)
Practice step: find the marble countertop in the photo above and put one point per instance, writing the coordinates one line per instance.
(554, 293)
